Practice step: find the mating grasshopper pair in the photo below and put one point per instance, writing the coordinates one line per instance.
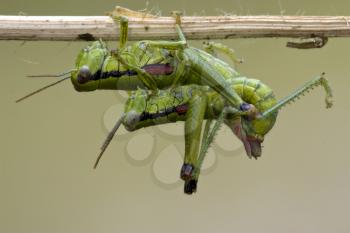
(173, 81)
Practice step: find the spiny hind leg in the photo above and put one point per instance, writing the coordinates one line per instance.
(207, 138)
(214, 47)
(318, 81)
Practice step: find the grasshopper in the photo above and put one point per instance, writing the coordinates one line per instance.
(193, 104)
(172, 81)
(153, 65)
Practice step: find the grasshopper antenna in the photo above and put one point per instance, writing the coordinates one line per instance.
(109, 139)
(41, 89)
(51, 75)
(50, 85)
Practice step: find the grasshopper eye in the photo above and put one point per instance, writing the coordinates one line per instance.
(131, 120)
(84, 74)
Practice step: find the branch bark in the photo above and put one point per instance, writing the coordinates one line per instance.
(72, 28)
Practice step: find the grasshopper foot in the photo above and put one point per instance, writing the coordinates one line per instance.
(177, 15)
(190, 186)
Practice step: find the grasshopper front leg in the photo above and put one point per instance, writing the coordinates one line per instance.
(214, 47)
(124, 26)
(123, 30)
(171, 45)
(145, 77)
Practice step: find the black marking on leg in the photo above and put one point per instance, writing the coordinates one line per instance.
(186, 171)
(190, 187)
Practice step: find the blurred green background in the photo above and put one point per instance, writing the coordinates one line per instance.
(49, 143)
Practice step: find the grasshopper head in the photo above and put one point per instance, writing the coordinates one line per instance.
(134, 108)
(255, 131)
(251, 131)
(89, 64)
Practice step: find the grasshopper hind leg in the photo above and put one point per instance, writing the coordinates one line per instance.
(193, 129)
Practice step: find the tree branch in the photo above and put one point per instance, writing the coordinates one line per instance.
(71, 28)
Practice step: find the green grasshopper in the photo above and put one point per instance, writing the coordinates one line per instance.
(193, 104)
(201, 87)
(153, 65)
